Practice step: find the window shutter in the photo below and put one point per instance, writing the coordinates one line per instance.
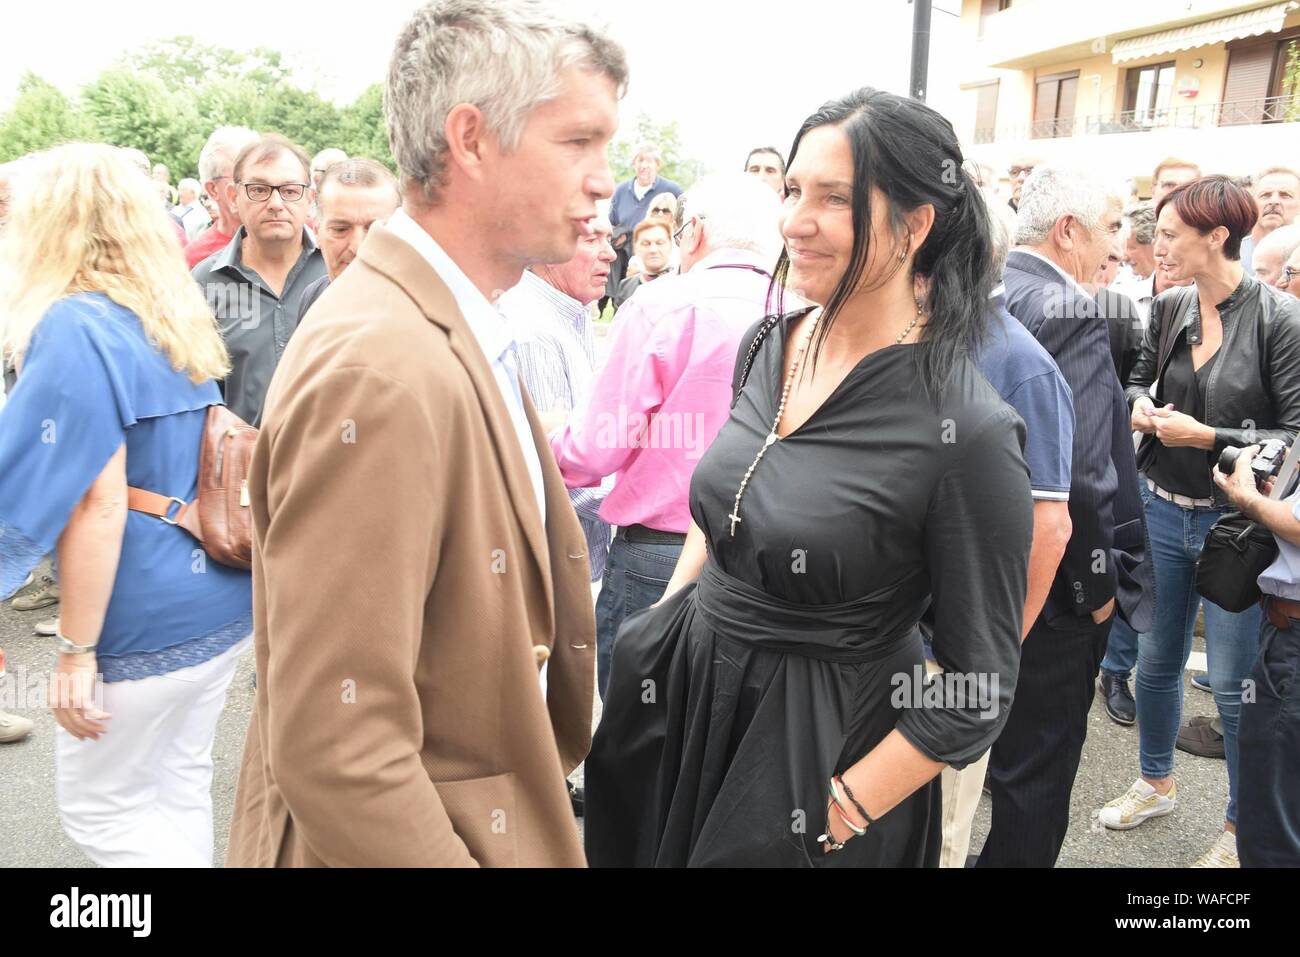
(986, 112)
(1249, 70)
(987, 9)
(1065, 106)
(1045, 106)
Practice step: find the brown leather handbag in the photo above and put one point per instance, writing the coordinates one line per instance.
(220, 516)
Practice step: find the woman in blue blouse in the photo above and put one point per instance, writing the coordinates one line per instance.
(118, 359)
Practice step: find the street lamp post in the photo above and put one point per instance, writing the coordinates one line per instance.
(920, 48)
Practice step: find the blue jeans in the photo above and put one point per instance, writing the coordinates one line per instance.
(1121, 650)
(636, 575)
(1231, 642)
(1269, 835)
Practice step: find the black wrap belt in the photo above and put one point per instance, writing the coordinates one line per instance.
(848, 633)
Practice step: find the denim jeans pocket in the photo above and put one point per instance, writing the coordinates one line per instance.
(1279, 660)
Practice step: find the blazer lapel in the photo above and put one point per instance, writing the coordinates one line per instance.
(401, 263)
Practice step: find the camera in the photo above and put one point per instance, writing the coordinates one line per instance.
(1266, 464)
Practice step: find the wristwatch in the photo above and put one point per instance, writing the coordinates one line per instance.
(66, 647)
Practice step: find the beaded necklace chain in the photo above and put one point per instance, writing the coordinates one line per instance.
(772, 437)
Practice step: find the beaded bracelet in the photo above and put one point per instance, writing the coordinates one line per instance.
(847, 790)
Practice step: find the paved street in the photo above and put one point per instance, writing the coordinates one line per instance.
(30, 835)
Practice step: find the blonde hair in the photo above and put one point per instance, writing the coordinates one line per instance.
(86, 220)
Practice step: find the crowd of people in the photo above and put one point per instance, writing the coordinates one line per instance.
(883, 477)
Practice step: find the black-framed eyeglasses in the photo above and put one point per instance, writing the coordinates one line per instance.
(289, 192)
(1288, 274)
(677, 236)
(1017, 170)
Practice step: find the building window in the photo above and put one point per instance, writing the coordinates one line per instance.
(990, 7)
(1263, 81)
(1287, 86)
(1054, 98)
(1148, 92)
(986, 111)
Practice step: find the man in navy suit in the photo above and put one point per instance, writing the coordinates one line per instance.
(1065, 226)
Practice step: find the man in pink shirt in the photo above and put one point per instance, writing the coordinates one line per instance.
(665, 390)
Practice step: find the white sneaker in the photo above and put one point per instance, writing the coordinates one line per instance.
(1223, 853)
(13, 728)
(1139, 803)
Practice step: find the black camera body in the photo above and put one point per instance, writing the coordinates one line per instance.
(1264, 465)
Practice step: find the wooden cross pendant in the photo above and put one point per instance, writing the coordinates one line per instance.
(734, 520)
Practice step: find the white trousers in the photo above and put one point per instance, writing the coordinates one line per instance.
(141, 796)
(961, 798)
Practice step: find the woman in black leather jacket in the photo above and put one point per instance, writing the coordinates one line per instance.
(1224, 357)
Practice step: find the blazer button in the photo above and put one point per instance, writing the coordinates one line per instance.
(541, 653)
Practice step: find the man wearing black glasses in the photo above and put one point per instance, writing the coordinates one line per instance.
(256, 283)
(1018, 172)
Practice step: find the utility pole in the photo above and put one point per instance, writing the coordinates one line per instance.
(920, 48)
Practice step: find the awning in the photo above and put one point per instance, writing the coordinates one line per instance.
(1252, 23)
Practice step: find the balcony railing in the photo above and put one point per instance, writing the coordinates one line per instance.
(1268, 109)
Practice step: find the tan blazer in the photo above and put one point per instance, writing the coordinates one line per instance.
(405, 593)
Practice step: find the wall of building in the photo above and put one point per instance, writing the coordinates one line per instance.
(1236, 150)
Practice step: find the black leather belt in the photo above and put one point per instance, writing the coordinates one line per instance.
(1280, 612)
(650, 536)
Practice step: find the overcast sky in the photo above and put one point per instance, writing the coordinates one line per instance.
(733, 73)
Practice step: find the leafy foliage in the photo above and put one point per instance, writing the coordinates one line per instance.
(167, 96)
(41, 117)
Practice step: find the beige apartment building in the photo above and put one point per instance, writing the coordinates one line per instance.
(1117, 85)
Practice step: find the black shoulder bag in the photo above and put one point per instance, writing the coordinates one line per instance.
(1238, 550)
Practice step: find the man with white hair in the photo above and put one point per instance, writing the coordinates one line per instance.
(321, 162)
(1066, 224)
(1273, 252)
(1289, 280)
(665, 390)
(216, 168)
(190, 211)
(415, 557)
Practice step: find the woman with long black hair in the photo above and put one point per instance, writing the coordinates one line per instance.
(771, 709)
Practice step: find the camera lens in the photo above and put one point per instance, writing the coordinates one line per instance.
(1228, 460)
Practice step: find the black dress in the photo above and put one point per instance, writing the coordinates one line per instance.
(732, 703)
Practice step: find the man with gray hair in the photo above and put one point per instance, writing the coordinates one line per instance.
(216, 168)
(630, 204)
(1066, 224)
(416, 558)
(193, 217)
(320, 164)
(1273, 251)
(670, 368)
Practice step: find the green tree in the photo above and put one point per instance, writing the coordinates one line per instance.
(301, 115)
(183, 64)
(676, 165)
(41, 117)
(135, 110)
(364, 131)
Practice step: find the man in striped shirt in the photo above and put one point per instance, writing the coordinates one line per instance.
(550, 312)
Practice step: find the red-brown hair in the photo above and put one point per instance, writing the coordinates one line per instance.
(1213, 201)
(651, 223)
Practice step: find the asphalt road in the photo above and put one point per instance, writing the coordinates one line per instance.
(30, 834)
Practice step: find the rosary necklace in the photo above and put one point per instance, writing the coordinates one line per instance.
(772, 437)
